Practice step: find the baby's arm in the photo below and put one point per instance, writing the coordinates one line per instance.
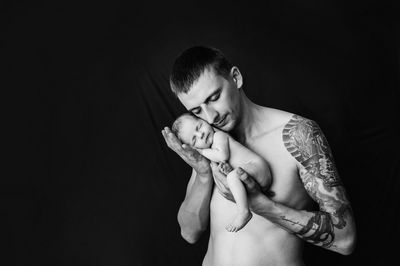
(219, 151)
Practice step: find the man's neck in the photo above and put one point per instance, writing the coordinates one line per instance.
(249, 120)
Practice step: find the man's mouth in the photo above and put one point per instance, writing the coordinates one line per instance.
(220, 122)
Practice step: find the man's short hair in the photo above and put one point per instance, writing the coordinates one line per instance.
(177, 125)
(191, 63)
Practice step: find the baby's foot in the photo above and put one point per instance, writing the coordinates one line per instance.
(239, 222)
(224, 168)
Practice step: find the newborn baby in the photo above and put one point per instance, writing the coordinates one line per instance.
(219, 147)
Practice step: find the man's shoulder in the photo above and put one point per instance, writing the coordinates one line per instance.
(275, 123)
(300, 123)
(279, 119)
(298, 127)
(277, 113)
(275, 119)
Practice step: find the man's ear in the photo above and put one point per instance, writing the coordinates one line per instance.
(237, 77)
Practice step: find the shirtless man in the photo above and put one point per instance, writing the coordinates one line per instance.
(300, 160)
(219, 147)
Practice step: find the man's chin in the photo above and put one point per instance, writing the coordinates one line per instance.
(227, 127)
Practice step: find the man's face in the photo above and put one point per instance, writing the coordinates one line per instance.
(196, 132)
(214, 99)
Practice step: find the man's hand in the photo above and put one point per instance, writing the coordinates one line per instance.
(257, 200)
(192, 157)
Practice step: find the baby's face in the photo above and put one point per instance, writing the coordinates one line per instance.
(196, 133)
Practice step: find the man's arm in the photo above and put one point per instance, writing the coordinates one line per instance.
(193, 214)
(331, 227)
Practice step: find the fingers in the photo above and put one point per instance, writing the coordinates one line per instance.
(186, 152)
(250, 183)
(225, 168)
(214, 166)
(169, 136)
(216, 171)
(165, 135)
(172, 141)
(189, 152)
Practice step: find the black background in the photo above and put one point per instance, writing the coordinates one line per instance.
(92, 182)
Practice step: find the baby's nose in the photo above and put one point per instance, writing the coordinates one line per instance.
(199, 134)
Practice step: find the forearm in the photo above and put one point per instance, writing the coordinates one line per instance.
(333, 226)
(332, 231)
(193, 215)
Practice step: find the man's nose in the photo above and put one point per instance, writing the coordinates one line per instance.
(210, 115)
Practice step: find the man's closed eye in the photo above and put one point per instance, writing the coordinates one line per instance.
(215, 97)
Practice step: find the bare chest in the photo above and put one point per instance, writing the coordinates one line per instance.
(286, 183)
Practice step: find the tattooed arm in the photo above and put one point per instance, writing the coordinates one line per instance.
(332, 227)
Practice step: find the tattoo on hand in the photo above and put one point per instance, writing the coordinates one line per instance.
(305, 141)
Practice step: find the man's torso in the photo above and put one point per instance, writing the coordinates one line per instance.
(260, 242)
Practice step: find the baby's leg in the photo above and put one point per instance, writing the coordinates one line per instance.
(239, 193)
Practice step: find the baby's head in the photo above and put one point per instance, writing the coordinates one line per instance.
(193, 131)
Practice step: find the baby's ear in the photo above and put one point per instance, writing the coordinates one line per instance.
(185, 146)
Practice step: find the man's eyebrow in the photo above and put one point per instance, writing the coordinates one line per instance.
(208, 98)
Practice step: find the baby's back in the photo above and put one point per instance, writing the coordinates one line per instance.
(239, 154)
(251, 162)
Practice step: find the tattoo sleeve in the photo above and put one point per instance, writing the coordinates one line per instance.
(307, 144)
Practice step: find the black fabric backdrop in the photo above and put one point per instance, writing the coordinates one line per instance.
(93, 182)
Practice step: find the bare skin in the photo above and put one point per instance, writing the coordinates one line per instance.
(219, 147)
(303, 168)
(263, 239)
(242, 159)
(259, 241)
